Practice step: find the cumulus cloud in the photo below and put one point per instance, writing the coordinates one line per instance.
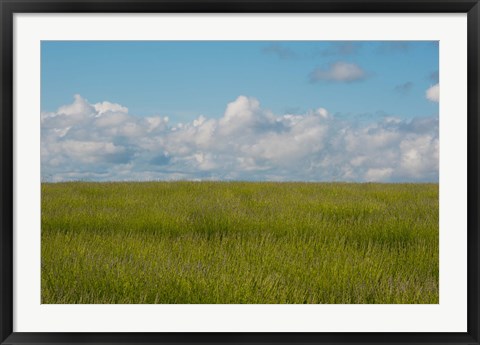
(105, 107)
(433, 93)
(78, 107)
(102, 141)
(339, 72)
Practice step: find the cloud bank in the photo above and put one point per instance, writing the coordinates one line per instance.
(103, 142)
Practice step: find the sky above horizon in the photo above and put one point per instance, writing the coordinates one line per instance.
(240, 110)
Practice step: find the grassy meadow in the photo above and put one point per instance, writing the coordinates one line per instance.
(239, 242)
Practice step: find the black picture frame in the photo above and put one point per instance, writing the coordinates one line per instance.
(9, 7)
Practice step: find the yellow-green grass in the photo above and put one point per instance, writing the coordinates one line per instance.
(239, 242)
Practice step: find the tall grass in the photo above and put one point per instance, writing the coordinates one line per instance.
(239, 242)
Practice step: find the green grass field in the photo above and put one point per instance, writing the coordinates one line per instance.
(239, 242)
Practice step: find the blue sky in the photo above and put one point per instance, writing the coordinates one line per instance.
(271, 88)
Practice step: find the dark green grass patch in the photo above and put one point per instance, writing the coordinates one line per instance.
(239, 242)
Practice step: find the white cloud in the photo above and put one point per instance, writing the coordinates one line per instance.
(433, 93)
(242, 114)
(374, 175)
(110, 119)
(322, 112)
(105, 107)
(339, 71)
(84, 141)
(79, 107)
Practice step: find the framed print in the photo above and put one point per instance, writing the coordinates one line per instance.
(239, 172)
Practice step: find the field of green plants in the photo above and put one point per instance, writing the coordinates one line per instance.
(239, 242)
